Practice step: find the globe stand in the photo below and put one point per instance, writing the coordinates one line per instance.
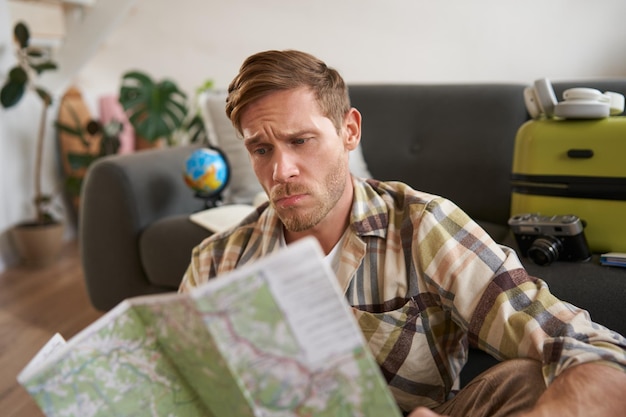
(211, 200)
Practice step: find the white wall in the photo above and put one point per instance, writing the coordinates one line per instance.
(367, 40)
(370, 40)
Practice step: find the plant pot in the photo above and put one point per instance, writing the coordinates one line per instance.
(38, 244)
(142, 143)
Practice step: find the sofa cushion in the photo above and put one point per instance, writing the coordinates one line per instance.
(452, 140)
(243, 185)
(165, 248)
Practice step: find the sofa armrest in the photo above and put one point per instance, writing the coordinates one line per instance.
(121, 196)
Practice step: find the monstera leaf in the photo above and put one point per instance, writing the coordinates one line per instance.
(156, 110)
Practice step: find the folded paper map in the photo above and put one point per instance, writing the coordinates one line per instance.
(273, 338)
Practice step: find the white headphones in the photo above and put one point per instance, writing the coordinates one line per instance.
(579, 103)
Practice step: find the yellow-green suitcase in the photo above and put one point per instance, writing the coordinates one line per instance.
(574, 167)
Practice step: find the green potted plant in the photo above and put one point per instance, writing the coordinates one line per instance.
(156, 110)
(39, 240)
(159, 111)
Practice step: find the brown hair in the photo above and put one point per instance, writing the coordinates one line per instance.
(270, 71)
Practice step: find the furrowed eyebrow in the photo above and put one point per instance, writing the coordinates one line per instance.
(253, 140)
(297, 134)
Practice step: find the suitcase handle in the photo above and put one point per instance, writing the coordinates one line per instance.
(580, 153)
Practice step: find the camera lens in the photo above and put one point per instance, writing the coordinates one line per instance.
(545, 250)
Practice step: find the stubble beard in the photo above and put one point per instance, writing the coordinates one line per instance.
(298, 219)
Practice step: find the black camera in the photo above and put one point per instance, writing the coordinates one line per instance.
(545, 239)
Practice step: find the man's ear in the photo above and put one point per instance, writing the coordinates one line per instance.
(352, 129)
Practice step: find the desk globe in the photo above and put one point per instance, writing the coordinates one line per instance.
(207, 172)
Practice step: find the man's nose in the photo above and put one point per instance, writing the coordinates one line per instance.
(285, 166)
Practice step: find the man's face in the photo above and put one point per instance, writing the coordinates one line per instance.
(298, 156)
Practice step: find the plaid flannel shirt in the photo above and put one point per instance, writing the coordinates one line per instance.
(426, 282)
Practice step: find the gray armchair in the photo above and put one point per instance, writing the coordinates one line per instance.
(134, 232)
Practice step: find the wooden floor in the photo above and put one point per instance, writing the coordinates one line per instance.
(35, 304)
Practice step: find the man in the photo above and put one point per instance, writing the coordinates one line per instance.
(423, 278)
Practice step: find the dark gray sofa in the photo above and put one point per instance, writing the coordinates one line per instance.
(453, 140)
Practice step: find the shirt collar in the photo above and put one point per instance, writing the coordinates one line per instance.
(370, 214)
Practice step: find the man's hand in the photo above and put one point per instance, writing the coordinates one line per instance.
(424, 412)
(585, 390)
